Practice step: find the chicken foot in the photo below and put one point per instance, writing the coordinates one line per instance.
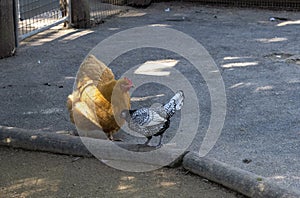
(111, 138)
(159, 143)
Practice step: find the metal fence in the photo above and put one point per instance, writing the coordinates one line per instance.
(37, 15)
(101, 9)
(270, 4)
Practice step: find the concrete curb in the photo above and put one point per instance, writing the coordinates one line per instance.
(81, 146)
(239, 180)
(42, 141)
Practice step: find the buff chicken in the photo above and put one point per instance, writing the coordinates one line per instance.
(98, 98)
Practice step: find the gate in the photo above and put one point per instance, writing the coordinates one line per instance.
(34, 16)
(38, 15)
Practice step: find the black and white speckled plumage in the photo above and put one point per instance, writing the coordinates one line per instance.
(153, 121)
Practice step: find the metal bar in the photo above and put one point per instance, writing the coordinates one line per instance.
(16, 26)
(23, 36)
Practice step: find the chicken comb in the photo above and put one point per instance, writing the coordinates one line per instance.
(127, 79)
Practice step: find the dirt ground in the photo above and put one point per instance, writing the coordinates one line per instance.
(36, 174)
(258, 59)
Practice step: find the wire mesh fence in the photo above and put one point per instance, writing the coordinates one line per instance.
(269, 4)
(35, 15)
(101, 9)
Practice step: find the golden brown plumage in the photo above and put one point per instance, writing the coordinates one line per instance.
(98, 99)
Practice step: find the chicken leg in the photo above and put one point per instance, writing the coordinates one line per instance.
(111, 138)
(148, 140)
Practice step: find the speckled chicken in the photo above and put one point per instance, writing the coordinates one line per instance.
(153, 121)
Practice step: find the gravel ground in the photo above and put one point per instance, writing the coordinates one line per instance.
(35, 174)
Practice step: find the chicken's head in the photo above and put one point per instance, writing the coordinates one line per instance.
(125, 84)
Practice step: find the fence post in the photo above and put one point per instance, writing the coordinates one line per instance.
(7, 27)
(80, 14)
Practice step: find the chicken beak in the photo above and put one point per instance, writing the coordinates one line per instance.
(131, 85)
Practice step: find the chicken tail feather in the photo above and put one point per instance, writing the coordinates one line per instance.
(175, 103)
